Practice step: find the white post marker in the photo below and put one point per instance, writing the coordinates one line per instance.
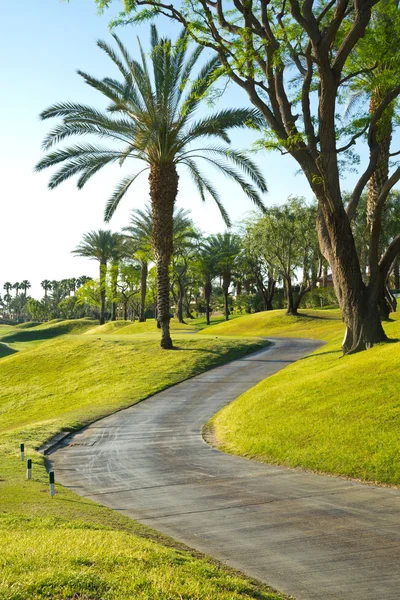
(51, 481)
(22, 450)
(29, 468)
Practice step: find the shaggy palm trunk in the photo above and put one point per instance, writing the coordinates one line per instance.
(144, 268)
(163, 191)
(103, 272)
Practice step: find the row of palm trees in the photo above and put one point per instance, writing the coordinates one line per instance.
(195, 264)
(153, 118)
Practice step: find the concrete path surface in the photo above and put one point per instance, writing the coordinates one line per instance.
(310, 536)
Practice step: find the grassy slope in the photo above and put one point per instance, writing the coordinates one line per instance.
(68, 547)
(136, 328)
(319, 324)
(327, 413)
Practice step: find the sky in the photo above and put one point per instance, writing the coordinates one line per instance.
(42, 44)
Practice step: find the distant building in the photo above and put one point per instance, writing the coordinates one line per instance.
(325, 281)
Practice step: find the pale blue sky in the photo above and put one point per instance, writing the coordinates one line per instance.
(43, 42)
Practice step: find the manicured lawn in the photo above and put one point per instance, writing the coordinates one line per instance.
(311, 323)
(70, 548)
(130, 328)
(328, 413)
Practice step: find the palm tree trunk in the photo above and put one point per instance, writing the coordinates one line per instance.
(143, 290)
(103, 271)
(207, 297)
(163, 191)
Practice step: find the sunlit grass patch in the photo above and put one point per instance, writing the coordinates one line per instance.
(327, 413)
(68, 547)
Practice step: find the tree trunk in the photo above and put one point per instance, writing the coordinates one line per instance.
(226, 306)
(125, 310)
(180, 303)
(144, 267)
(291, 308)
(359, 303)
(207, 297)
(396, 273)
(163, 191)
(114, 278)
(103, 272)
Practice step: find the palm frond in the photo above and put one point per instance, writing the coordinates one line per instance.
(118, 194)
(203, 184)
(115, 58)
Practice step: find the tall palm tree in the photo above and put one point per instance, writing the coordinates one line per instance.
(207, 261)
(139, 232)
(226, 248)
(25, 285)
(46, 285)
(151, 118)
(16, 286)
(8, 286)
(99, 245)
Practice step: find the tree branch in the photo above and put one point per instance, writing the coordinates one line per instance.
(387, 259)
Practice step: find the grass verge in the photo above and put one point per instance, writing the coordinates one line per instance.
(69, 548)
(327, 413)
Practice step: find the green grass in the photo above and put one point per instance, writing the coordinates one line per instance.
(318, 324)
(28, 324)
(46, 331)
(150, 326)
(68, 547)
(327, 413)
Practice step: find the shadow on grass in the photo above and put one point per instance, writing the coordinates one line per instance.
(47, 333)
(30, 335)
(6, 350)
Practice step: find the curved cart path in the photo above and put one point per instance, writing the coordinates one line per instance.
(314, 537)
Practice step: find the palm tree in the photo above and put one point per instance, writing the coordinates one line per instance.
(25, 285)
(139, 232)
(226, 248)
(99, 245)
(46, 285)
(151, 118)
(207, 261)
(16, 286)
(8, 286)
(82, 280)
(119, 252)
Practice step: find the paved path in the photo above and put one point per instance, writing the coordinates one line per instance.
(311, 536)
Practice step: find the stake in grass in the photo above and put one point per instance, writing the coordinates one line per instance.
(29, 468)
(51, 482)
(22, 450)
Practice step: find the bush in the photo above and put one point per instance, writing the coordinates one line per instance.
(319, 297)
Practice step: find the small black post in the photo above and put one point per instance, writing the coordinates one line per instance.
(51, 481)
(29, 468)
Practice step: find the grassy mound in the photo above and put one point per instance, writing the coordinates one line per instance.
(6, 350)
(49, 330)
(28, 325)
(327, 413)
(315, 324)
(108, 328)
(68, 547)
